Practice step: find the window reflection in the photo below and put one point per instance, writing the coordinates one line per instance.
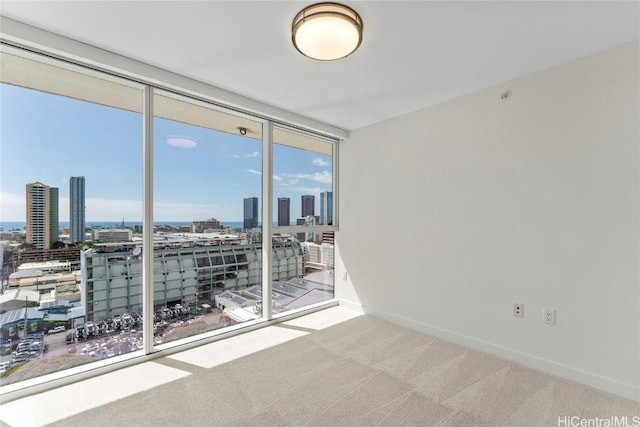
(303, 197)
(82, 135)
(207, 184)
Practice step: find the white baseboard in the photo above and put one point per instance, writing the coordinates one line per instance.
(628, 391)
(355, 306)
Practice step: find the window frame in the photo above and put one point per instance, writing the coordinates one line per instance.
(199, 93)
(278, 229)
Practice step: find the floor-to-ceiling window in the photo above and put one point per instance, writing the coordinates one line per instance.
(303, 212)
(71, 211)
(207, 240)
(75, 175)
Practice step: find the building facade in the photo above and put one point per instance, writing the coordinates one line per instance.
(42, 215)
(111, 235)
(284, 211)
(54, 220)
(64, 254)
(308, 206)
(76, 209)
(250, 212)
(113, 280)
(204, 226)
(309, 221)
(326, 208)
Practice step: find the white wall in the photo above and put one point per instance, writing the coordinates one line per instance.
(451, 214)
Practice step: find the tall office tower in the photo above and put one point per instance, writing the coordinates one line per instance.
(284, 211)
(250, 212)
(308, 206)
(54, 220)
(42, 215)
(326, 208)
(76, 208)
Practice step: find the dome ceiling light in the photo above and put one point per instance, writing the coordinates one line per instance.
(326, 31)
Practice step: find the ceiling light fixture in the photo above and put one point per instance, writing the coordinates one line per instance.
(326, 31)
(181, 141)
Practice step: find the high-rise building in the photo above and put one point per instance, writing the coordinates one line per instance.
(54, 220)
(205, 226)
(250, 212)
(326, 208)
(284, 211)
(76, 208)
(308, 206)
(42, 215)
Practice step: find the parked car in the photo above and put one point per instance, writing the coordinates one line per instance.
(80, 332)
(117, 322)
(57, 330)
(127, 320)
(137, 318)
(90, 328)
(101, 326)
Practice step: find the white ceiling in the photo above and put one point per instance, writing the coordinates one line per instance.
(414, 54)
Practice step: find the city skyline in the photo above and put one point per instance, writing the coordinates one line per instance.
(43, 137)
(251, 208)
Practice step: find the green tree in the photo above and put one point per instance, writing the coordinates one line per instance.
(58, 245)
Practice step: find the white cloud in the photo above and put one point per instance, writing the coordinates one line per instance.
(110, 210)
(254, 154)
(309, 190)
(175, 210)
(63, 209)
(320, 162)
(253, 171)
(235, 156)
(12, 207)
(324, 177)
(163, 210)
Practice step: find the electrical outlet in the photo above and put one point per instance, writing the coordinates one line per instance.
(518, 310)
(549, 316)
(345, 277)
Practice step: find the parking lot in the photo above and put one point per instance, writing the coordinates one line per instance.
(31, 346)
(103, 339)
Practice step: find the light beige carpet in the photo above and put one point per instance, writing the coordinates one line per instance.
(361, 372)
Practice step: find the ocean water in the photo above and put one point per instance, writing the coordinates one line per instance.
(20, 225)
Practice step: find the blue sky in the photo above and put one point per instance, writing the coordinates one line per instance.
(50, 138)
